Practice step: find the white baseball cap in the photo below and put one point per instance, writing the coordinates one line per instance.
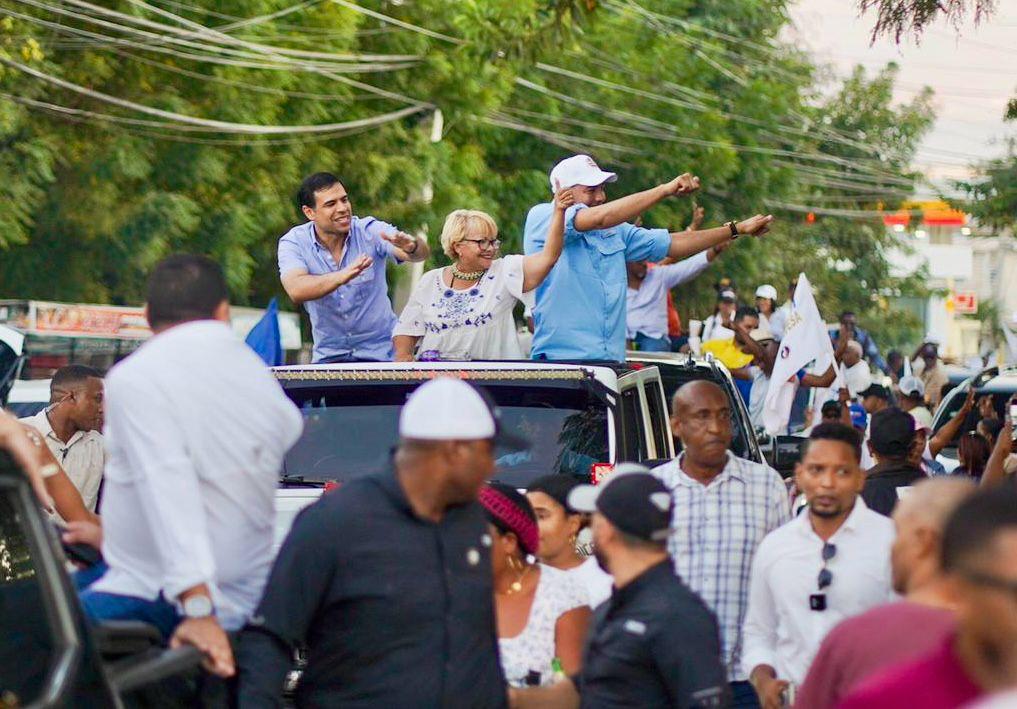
(449, 409)
(912, 386)
(579, 170)
(766, 291)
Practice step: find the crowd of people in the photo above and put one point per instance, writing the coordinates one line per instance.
(705, 582)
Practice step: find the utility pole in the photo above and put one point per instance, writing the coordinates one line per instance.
(435, 126)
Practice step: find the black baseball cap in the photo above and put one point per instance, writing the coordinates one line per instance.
(830, 408)
(632, 499)
(877, 390)
(892, 432)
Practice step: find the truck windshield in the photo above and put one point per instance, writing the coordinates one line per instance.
(350, 431)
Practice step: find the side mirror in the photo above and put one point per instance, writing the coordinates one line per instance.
(787, 451)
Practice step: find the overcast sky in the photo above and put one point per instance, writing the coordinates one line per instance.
(973, 74)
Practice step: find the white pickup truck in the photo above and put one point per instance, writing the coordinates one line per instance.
(580, 420)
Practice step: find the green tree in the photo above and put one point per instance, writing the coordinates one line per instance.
(651, 88)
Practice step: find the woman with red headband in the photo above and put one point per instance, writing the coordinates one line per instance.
(542, 613)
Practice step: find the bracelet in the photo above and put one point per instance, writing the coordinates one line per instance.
(734, 230)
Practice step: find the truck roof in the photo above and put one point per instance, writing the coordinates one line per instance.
(488, 371)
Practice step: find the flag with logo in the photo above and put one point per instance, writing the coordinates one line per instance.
(805, 340)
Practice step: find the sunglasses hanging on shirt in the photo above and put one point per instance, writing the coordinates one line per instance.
(817, 601)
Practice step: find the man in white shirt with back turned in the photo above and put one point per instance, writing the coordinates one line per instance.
(829, 563)
(196, 428)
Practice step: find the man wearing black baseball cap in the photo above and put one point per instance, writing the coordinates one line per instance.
(891, 437)
(654, 643)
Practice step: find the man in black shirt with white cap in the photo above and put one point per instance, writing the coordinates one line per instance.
(654, 643)
(387, 580)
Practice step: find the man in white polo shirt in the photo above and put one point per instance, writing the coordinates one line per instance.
(70, 427)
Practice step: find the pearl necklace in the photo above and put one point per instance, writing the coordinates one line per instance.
(467, 275)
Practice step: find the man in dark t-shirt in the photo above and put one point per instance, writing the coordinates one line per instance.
(892, 435)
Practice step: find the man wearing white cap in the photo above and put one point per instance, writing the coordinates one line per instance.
(766, 304)
(580, 311)
(387, 580)
(912, 400)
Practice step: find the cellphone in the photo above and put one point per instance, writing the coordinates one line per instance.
(1013, 419)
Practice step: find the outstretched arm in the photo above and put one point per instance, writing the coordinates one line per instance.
(301, 286)
(952, 427)
(820, 381)
(537, 266)
(994, 469)
(626, 209)
(686, 243)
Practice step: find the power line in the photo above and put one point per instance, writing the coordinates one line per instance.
(399, 23)
(222, 126)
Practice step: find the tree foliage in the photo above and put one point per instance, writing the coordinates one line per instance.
(94, 194)
(900, 18)
(992, 194)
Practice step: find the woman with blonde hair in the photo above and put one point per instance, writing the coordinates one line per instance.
(464, 311)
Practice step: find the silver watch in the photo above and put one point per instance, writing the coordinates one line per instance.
(199, 606)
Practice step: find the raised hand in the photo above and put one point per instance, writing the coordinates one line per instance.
(563, 199)
(359, 266)
(697, 218)
(685, 183)
(755, 226)
(401, 240)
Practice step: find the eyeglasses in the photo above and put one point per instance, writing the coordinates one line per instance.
(484, 244)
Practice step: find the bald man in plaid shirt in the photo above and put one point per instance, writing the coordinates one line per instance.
(724, 506)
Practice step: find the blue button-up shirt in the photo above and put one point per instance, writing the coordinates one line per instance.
(355, 319)
(580, 311)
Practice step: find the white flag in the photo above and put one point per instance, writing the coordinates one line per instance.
(805, 340)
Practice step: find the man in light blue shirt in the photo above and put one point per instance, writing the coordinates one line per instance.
(334, 264)
(580, 310)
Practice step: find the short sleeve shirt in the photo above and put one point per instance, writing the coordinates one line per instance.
(580, 306)
(473, 323)
(653, 644)
(355, 319)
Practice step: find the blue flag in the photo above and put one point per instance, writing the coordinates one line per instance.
(264, 337)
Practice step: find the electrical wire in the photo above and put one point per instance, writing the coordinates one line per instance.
(223, 126)
(398, 23)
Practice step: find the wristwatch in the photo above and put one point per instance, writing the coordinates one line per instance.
(198, 606)
(734, 229)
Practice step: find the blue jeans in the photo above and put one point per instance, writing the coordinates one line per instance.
(645, 343)
(743, 696)
(100, 606)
